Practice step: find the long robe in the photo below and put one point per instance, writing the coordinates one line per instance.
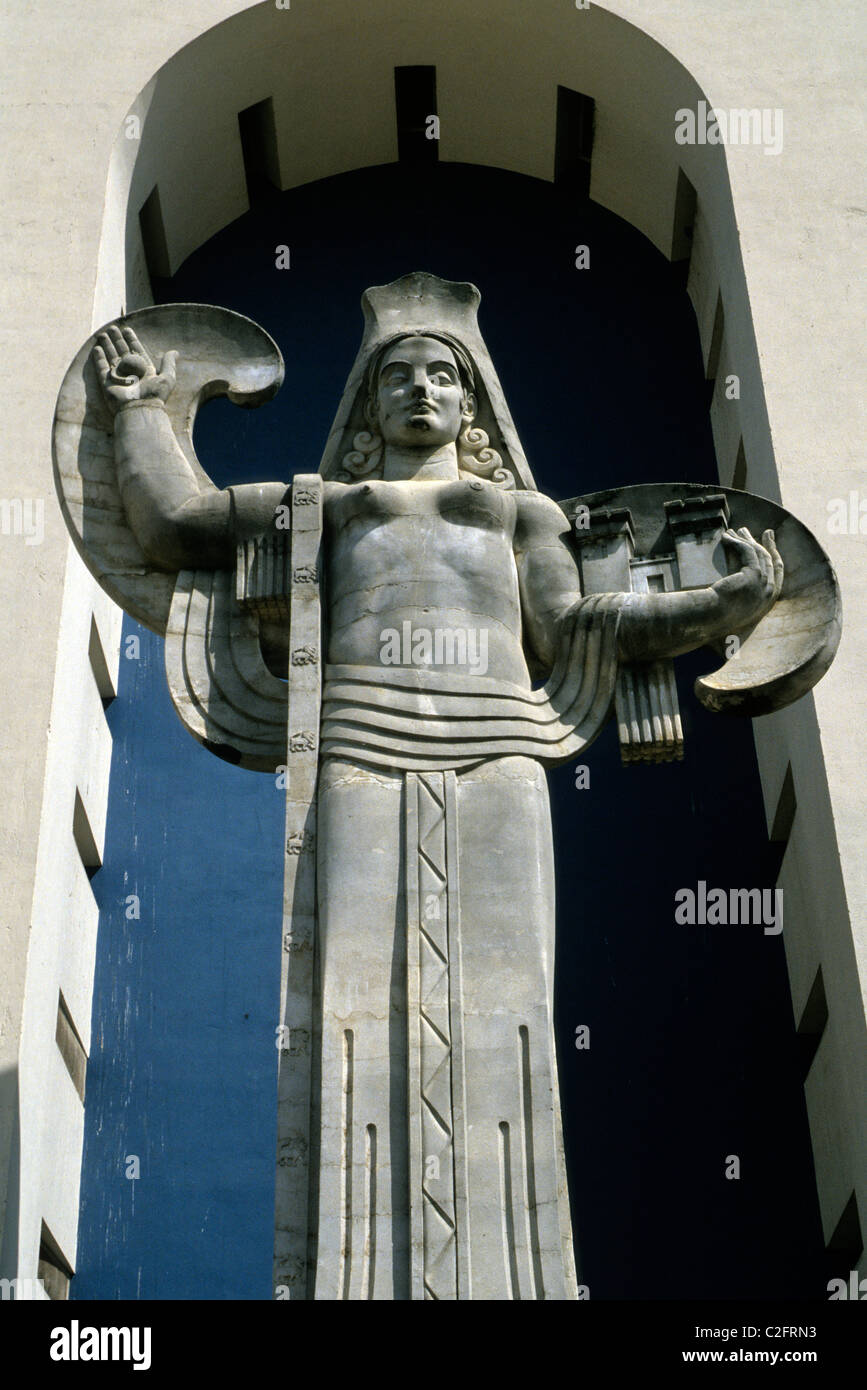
(436, 1140)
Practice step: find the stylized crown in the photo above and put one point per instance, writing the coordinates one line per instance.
(417, 302)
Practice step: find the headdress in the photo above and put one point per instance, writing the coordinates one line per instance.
(421, 303)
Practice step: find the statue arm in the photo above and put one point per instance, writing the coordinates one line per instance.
(547, 571)
(178, 524)
(652, 626)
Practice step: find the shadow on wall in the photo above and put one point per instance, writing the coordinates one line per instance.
(9, 1106)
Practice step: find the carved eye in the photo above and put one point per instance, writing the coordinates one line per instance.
(395, 375)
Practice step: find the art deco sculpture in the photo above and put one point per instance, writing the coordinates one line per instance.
(407, 638)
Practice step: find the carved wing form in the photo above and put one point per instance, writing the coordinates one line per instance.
(222, 690)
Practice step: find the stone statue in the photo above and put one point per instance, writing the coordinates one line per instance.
(405, 640)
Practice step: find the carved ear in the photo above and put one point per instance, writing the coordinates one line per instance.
(220, 354)
(470, 406)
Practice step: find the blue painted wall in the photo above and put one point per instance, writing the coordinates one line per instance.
(182, 1071)
(692, 1050)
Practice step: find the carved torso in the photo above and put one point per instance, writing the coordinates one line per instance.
(435, 554)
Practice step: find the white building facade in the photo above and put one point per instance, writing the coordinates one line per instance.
(102, 107)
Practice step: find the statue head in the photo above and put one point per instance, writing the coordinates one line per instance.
(420, 391)
(444, 315)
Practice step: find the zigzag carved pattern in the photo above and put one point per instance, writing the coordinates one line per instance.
(438, 1214)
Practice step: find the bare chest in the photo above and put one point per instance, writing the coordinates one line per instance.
(419, 526)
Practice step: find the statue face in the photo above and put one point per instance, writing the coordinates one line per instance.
(420, 398)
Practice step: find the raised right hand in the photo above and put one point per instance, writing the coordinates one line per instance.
(126, 372)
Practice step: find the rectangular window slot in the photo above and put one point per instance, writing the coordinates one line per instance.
(787, 805)
(573, 150)
(685, 206)
(54, 1269)
(715, 349)
(812, 1024)
(84, 838)
(844, 1249)
(99, 666)
(415, 99)
(71, 1047)
(153, 235)
(739, 478)
(716, 337)
(258, 133)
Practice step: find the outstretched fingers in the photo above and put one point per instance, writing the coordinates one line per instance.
(168, 366)
(101, 363)
(108, 348)
(744, 548)
(108, 354)
(118, 340)
(133, 344)
(753, 556)
(770, 544)
(766, 564)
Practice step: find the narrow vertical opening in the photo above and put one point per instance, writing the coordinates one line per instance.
(71, 1047)
(715, 348)
(54, 1270)
(845, 1247)
(99, 666)
(739, 477)
(415, 99)
(258, 133)
(685, 206)
(782, 820)
(153, 235)
(84, 838)
(812, 1024)
(573, 150)
(787, 805)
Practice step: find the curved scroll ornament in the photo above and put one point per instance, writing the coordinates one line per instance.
(221, 353)
(220, 686)
(659, 537)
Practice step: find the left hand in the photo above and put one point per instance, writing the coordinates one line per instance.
(752, 589)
